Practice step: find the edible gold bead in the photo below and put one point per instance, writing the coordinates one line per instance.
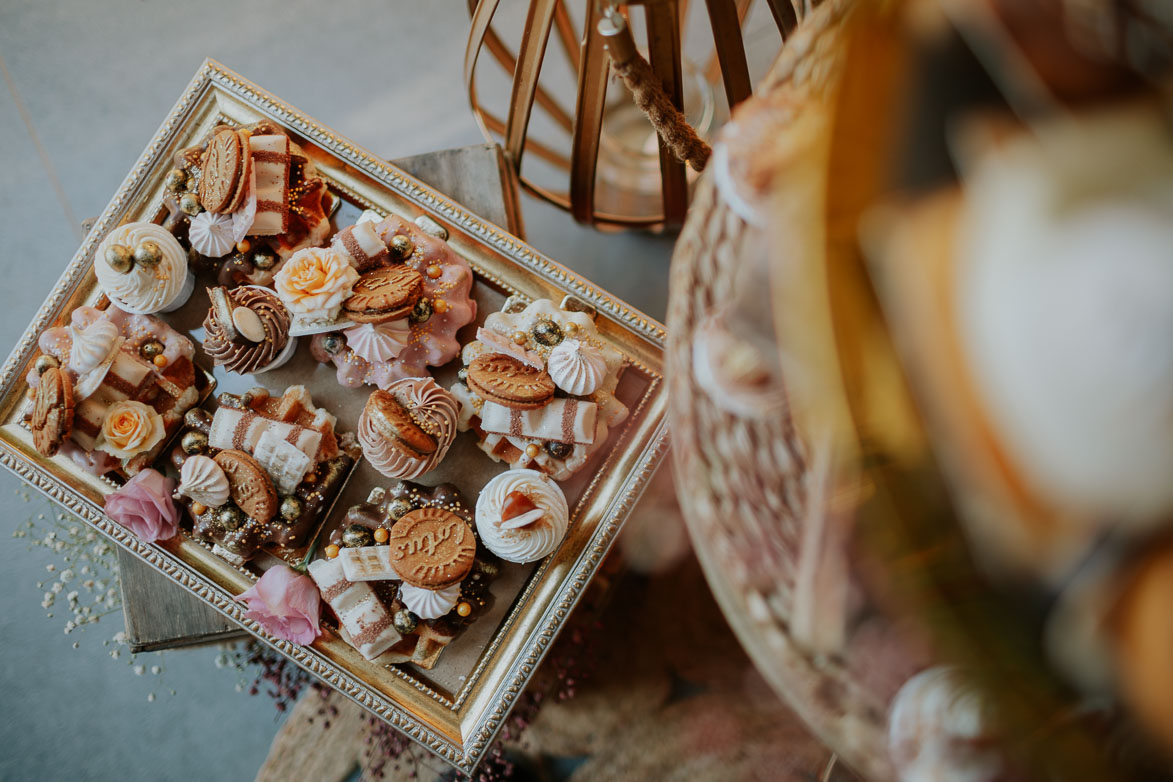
(532, 451)
(193, 443)
(148, 253)
(291, 508)
(264, 260)
(176, 180)
(422, 311)
(520, 337)
(150, 349)
(119, 258)
(463, 608)
(44, 363)
(189, 203)
(401, 247)
(434, 270)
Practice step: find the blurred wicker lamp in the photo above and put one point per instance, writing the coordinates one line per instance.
(620, 175)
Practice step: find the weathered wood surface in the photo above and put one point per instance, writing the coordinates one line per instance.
(163, 615)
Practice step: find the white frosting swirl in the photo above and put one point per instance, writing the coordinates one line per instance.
(203, 481)
(211, 234)
(429, 603)
(144, 289)
(92, 346)
(576, 367)
(375, 342)
(533, 541)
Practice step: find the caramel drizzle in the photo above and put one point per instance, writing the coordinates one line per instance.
(240, 433)
(568, 414)
(294, 434)
(514, 422)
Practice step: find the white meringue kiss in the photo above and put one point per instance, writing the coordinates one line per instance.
(429, 603)
(576, 367)
(93, 346)
(211, 234)
(203, 481)
(377, 342)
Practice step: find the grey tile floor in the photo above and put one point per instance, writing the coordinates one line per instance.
(96, 78)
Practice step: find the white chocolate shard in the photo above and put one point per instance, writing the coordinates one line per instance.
(562, 421)
(286, 463)
(364, 618)
(368, 563)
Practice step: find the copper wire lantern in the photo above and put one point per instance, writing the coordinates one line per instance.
(606, 30)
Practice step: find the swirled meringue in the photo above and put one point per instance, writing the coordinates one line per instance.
(203, 481)
(145, 289)
(429, 603)
(535, 540)
(379, 341)
(576, 367)
(431, 408)
(92, 346)
(211, 234)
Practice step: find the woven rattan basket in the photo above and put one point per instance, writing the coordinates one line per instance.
(742, 479)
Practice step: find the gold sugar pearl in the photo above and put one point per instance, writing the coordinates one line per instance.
(463, 609)
(198, 508)
(160, 361)
(570, 329)
(382, 535)
(434, 271)
(440, 306)
(243, 246)
(532, 451)
(520, 337)
(331, 551)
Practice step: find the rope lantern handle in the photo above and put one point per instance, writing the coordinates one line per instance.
(649, 94)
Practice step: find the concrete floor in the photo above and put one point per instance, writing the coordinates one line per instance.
(95, 80)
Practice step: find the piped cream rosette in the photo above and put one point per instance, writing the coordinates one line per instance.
(161, 285)
(532, 534)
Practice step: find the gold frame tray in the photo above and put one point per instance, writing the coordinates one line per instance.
(458, 723)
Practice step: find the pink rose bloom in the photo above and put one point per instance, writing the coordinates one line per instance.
(286, 604)
(144, 506)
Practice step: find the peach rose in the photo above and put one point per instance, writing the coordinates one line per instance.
(315, 281)
(130, 428)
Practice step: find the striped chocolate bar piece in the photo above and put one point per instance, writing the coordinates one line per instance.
(569, 421)
(362, 615)
(127, 377)
(242, 430)
(362, 245)
(368, 563)
(271, 163)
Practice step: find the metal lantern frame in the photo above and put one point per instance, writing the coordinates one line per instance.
(587, 55)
